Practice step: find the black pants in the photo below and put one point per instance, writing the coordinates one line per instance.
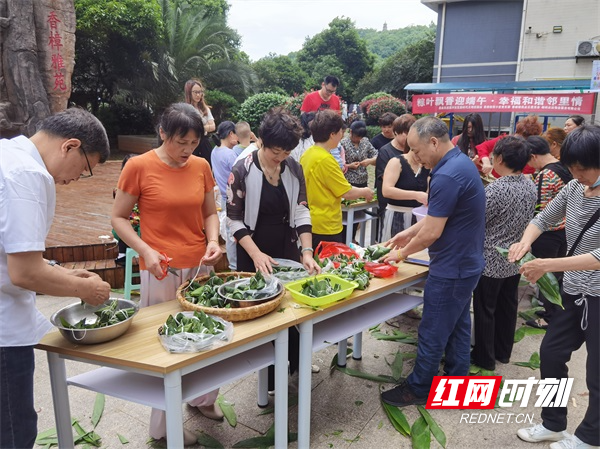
(495, 304)
(564, 336)
(550, 244)
(318, 238)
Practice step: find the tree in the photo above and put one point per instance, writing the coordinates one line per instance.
(347, 53)
(388, 42)
(414, 64)
(116, 42)
(280, 74)
(196, 45)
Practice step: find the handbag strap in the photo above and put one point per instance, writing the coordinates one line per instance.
(587, 226)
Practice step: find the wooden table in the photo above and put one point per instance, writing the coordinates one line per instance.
(137, 368)
(350, 220)
(363, 309)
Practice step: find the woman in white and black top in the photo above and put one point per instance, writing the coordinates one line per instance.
(579, 322)
(509, 207)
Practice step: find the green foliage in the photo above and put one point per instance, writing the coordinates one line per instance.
(125, 118)
(376, 95)
(115, 44)
(254, 108)
(223, 106)
(385, 43)
(413, 64)
(294, 103)
(372, 131)
(280, 74)
(338, 51)
(373, 109)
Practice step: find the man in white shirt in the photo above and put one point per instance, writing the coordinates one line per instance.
(67, 146)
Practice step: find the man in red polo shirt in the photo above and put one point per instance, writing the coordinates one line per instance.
(325, 98)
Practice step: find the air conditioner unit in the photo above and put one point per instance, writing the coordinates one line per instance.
(588, 49)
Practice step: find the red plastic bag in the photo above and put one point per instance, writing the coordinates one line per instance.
(328, 249)
(380, 270)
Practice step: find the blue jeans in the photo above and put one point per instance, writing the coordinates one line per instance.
(445, 328)
(18, 419)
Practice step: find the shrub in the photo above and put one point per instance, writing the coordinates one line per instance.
(222, 106)
(375, 108)
(126, 118)
(372, 131)
(294, 103)
(254, 108)
(376, 95)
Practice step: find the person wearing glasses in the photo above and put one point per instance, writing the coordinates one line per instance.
(178, 221)
(66, 148)
(325, 98)
(194, 95)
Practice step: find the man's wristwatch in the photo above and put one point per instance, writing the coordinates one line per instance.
(53, 262)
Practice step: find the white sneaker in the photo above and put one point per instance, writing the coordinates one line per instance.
(539, 433)
(572, 443)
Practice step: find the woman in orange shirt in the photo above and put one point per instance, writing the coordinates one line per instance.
(178, 219)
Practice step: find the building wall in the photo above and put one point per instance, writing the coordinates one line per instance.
(481, 41)
(552, 55)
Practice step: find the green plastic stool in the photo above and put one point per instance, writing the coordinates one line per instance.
(129, 274)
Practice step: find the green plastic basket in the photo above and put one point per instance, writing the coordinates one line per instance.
(347, 287)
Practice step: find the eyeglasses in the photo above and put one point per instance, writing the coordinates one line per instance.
(330, 91)
(197, 92)
(85, 175)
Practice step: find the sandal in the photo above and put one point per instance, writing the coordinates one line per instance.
(536, 324)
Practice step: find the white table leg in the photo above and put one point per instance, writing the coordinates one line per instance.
(173, 400)
(342, 351)
(357, 346)
(304, 384)
(349, 226)
(281, 389)
(263, 382)
(374, 238)
(60, 397)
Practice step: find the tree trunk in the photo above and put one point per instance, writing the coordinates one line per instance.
(37, 53)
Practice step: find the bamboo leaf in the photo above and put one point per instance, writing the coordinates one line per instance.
(334, 360)
(228, 410)
(98, 409)
(122, 439)
(397, 418)
(360, 374)
(436, 430)
(47, 437)
(474, 369)
(204, 439)
(397, 366)
(292, 401)
(420, 434)
(397, 336)
(533, 363)
(526, 330)
(530, 314)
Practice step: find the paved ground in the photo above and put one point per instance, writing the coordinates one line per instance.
(346, 412)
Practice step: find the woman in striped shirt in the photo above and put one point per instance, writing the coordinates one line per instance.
(579, 322)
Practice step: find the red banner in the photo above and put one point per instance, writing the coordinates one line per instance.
(563, 104)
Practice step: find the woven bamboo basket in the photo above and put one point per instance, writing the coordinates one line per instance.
(229, 314)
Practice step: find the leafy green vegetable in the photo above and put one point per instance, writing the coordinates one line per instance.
(547, 283)
(198, 323)
(107, 316)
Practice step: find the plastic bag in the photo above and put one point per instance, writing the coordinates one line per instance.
(272, 287)
(328, 249)
(380, 270)
(196, 342)
(292, 270)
